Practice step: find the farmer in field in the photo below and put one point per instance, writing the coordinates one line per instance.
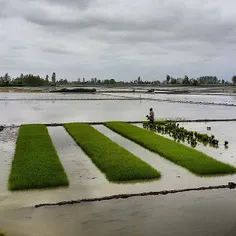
(151, 116)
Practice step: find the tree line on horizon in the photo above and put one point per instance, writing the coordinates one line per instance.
(36, 80)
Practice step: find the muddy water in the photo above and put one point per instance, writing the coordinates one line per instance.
(78, 166)
(19, 112)
(173, 176)
(179, 97)
(87, 181)
(52, 96)
(223, 132)
(195, 213)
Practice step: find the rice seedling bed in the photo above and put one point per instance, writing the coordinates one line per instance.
(36, 163)
(114, 161)
(187, 157)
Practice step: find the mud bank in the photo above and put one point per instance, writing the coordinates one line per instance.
(191, 102)
(230, 185)
(172, 100)
(66, 99)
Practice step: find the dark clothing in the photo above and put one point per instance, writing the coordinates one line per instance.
(151, 117)
(151, 120)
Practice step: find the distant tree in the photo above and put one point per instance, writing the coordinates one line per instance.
(112, 81)
(223, 81)
(208, 80)
(53, 77)
(167, 79)
(157, 82)
(47, 79)
(179, 80)
(234, 79)
(173, 81)
(6, 79)
(186, 80)
(29, 80)
(139, 80)
(193, 82)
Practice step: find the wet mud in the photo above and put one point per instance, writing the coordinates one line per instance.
(8, 138)
(230, 185)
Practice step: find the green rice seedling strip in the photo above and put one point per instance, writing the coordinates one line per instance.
(189, 158)
(117, 163)
(36, 163)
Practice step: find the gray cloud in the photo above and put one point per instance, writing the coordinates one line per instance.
(119, 39)
(82, 4)
(57, 51)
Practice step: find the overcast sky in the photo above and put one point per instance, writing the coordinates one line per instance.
(120, 39)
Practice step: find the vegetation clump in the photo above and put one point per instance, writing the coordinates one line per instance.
(193, 160)
(76, 90)
(36, 163)
(114, 161)
(182, 134)
(226, 144)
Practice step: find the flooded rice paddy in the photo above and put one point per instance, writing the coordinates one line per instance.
(194, 213)
(54, 111)
(84, 175)
(185, 98)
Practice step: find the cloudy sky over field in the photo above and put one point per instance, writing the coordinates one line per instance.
(118, 39)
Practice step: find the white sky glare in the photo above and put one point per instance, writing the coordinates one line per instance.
(118, 39)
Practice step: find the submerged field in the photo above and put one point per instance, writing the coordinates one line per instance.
(36, 163)
(122, 216)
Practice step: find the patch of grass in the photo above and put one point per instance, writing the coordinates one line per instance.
(114, 161)
(189, 158)
(36, 163)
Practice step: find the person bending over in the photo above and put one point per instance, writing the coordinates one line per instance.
(151, 116)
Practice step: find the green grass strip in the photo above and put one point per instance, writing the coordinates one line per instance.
(114, 161)
(36, 163)
(189, 158)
